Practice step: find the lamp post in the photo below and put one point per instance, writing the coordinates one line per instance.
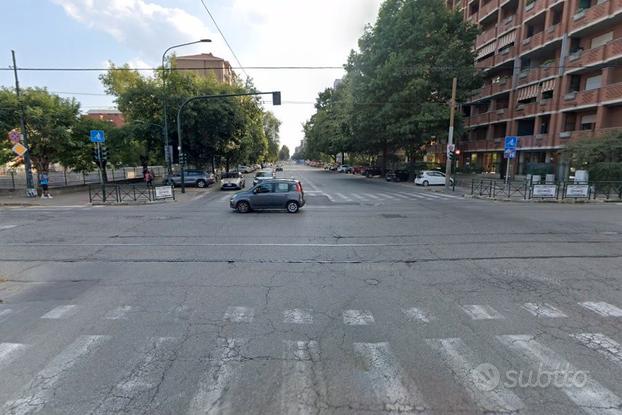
(169, 156)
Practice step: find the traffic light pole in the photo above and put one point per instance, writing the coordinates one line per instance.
(450, 135)
(101, 173)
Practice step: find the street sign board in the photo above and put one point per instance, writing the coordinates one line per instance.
(509, 154)
(577, 190)
(15, 136)
(511, 142)
(450, 148)
(164, 192)
(544, 190)
(19, 149)
(98, 136)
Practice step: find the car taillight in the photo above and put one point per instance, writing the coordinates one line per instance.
(298, 187)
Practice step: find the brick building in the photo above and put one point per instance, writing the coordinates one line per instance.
(553, 73)
(111, 115)
(205, 64)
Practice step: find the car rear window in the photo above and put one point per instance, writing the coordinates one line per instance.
(283, 187)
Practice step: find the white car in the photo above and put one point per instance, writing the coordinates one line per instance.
(232, 180)
(431, 178)
(264, 174)
(344, 168)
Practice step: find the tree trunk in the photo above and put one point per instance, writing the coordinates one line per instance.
(227, 164)
(385, 152)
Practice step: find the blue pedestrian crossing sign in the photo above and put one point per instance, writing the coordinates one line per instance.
(97, 136)
(509, 151)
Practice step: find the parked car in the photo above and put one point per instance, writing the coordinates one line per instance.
(279, 168)
(263, 175)
(232, 180)
(285, 194)
(431, 178)
(344, 168)
(397, 176)
(373, 172)
(245, 169)
(196, 178)
(357, 169)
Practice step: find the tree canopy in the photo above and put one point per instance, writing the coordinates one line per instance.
(397, 86)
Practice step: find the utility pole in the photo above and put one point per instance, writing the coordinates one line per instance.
(450, 135)
(30, 188)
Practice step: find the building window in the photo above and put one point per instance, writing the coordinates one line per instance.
(588, 122)
(593, 82)
(602, 39)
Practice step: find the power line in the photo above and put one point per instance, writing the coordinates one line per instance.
(224, 38)
(69, 69)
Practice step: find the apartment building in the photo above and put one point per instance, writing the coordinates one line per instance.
(205, 64)
(553, 73)
(113, 116)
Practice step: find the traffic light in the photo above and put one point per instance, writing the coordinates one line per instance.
(183, 159)
(452, 155)
(457, 152)
(95, 155)
(104, 154)
(276, 98)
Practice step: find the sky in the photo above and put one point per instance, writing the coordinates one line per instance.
(90, 33)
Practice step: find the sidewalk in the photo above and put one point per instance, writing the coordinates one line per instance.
(81, 198)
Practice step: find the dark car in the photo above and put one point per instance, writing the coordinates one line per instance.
(278, 168)
(270, 194)
(196, 178)
(397, 176)
(373, 172)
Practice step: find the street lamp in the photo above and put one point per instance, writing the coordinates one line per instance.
(165, 123)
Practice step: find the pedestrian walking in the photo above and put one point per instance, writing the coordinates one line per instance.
(148, 175)
(44, 182)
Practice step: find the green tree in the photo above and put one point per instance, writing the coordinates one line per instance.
(49, 121)
(601, 156)
(284, 153)
(271, 131)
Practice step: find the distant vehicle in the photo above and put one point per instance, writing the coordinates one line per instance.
(279, 168)
(431, 178)
(397, 176)
(357, 169)
(270, 194)
(344, 168)
(263, 175)
(196, 178)
(245, 169)
(232, 180)
(372, 172)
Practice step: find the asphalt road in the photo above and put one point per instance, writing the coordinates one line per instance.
(376, 298)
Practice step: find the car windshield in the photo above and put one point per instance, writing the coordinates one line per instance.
(456, 250)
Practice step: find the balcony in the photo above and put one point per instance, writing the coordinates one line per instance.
(605, 94)
(534, 141)
(507, 24)
(533, 108)
(551, 33)
(485, 37)
(484, 91)
(487, 9)
(594, 14)
(485, 63)
(534, 8)
(499, 115)
(581, 134)
(612, 92)
(507, 55)
(601, 54)
(532, 42)
(479, 145)
(501, 86)
(478, 119)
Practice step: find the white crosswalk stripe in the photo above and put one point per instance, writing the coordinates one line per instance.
(10, 351)
(213, 394)
(387, 196)
(544, 310)
(481, 312)
(465, 367)
(37, 393)
(417, 314)
(298, 316)
(604, 345)
(344, 197)
(602, 308)
(139, 382)
(239, 314)
(303, 389)
(4, 314)
(59, 312)
(591, 396)
(359, 197)
(357, 317)
(4, 227)
(391, 384)
(371, 196)
(119, 313)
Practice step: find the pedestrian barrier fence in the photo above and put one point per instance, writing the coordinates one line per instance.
(127, 192)
(526, 190)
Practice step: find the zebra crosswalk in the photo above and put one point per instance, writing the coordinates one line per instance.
(381, 197)
(302, 368)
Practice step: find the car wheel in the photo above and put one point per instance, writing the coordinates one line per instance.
(201, 184)
(243, 207)
(292, 207)
(426, 183)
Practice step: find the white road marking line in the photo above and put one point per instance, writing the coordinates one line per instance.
(604, 345)
(415, 196)
(61, 311)
(119, 313)
(139, 382)
(387, 196)
(389, 381)
(9, 351)
(481, 312)
(303, 389)
(34, 397)
(432, 195)
(359, 197)
(602, 308)
(371, 196)
(401, 196)
(463, 363)
(592, 397)
(329, 197)
(239, 314)
(417, 314)
(5, 313)
(357, 317)
(544, 310)
(298, 316)
(3, 227)
(214, 394)
(344, 197)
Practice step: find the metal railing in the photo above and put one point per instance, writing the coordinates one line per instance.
(127, 192)
(526, 190)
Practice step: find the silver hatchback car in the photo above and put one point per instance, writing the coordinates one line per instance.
(270, 194)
